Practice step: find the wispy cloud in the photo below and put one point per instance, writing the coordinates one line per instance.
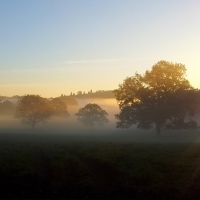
(61, 65)
(99, 61)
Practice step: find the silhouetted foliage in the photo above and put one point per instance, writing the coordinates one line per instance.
(6, 107)
(59, 107)
(32, 109)
(79, 93)
(2, 98)
(161, 96)
(91, 115)
(97, 94)
(70, 101)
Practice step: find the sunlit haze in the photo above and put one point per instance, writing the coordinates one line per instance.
(54, 47)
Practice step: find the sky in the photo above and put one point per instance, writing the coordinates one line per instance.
(54, 47)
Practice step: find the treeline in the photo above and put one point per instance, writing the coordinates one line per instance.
(70, 99)
(3, 98)
(90, 94)
(8, 105)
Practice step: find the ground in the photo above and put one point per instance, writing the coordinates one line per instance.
(36, 165)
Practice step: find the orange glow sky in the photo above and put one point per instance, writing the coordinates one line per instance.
(57, 47)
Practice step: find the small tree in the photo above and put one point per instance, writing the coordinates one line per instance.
(162, 97)
(91, 115)
(32, 109)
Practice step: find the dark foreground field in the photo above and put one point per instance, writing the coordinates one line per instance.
(35, 165)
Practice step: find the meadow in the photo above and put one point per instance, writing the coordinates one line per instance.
(99, 164)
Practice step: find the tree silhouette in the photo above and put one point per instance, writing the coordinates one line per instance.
(32, 109)
(6, 107)
(161, 97)
(91, 115)
(59, 107)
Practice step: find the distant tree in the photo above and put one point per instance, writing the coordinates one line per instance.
(6, 107)
(69, 101)
(161, 97)
(90, 92)
(16, 96)
(91, 115)
(59, 107)
(79, 93)
(33, 109)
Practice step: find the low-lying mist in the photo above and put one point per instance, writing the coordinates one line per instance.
(69, 129)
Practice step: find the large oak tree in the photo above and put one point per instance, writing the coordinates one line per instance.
(161, 98)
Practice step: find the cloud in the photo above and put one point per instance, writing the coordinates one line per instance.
(61, 65)
(99, 61)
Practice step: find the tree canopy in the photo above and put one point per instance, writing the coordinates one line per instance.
(92, 114)
(161, 98)
(59, 107)
(32, 109)
(6, 107)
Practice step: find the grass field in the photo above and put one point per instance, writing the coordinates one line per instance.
(36, 164)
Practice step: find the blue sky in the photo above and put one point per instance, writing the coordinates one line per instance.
(50, 47)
